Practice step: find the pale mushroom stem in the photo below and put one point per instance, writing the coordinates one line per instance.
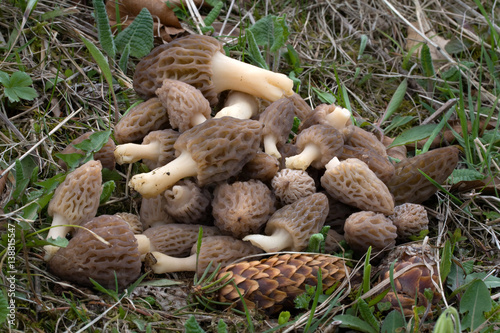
(143, 245)
(302, 161)
(279, 240)
(132, 152)
(181, 194)
(338, 118)
(270, 147)
(168, 264)
(197, 119)
(57, 230)
(160, 179)
(239, 105)
(333, 163)
(233, 74)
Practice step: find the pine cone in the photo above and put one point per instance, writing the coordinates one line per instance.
(273, 283)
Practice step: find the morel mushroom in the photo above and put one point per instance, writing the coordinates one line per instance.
(290, 185)
(302, 109)
(199, 61)
(318, 144)
(357, 137)
(143, 118)
(353, 183)
(364, 229)
(212, 151)
(379, 164)
(87, 257)
(188, 203)
(410, 219)
(133, 221)
(262, 167)
(329, 115)
(75, 201)
(216, 249)
(157, 149)
(239, 105)
(278, 121)
(242, 208)
(153, 212)
(273, 283)
(104, 155)
(291, 226)
(186, 106)
(410, 185)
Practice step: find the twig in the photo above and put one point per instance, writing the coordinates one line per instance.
(445, 107)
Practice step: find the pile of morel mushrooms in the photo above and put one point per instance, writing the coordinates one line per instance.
(236, 173)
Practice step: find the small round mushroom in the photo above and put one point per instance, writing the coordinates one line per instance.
(239, 105)
(291, 226)
(104, 155)
(329, 115)
(352, 182)
(302, 109)
(213, 151)
(278, 121)
(410, 219)
(318, 144)
(186, 106)
(188, 203)
(216, 249)
(143, 118)
(199, 61)
(242, 208)
(87, 257)
(262, 167)
(133, 221)
(364, 229)
(153, 212)
(75, 201)
(157, 149)
(290, 185)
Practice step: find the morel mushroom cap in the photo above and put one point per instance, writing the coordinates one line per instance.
(133, 221)
(302, 109)
(186, 106)
(364, 229)
(216, 249)
(291, 226)
(410, 219)
(357, 137)
(143, 118)
(352, 182)
(104, 155)
(278, 121)
(242, 208)
(153, 212)
(87, 257)
(398, 152)
(290, 185)
(212, 151)
(188, 203)
(199, 61)
(177, 239)
(410, 185)
(380, 165)
(262, 167)
(318, 144)
(75, 201)
(329, 115)
(239, 105)
(157, 149)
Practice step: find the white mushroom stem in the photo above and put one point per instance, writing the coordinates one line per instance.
(160, 179)
(168, 264)
(338, 118)
(59, 229)
(132, 152)
(279, 240)
(232, 74)
(239, 105)
(270, 142)
(181, 195)
(144, 245)
(332, 164)
(302, 161)
(197, 119)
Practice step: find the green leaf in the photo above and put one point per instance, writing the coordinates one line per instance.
(284, 317)
(355, 323)
(100, 59)
(392, 322)
(445, 265)
(367, 314)
(4, 308)
(59, 241)
(72, 160)
(103, 29)
(95, 142)
(221, 326)
(459, 175)
(325, 97)
(23, 170)
(490, 281)
(475, 301)
(398, 121)
(124, 59)
(214, 13)
(192, 326)
(254, 52)
(30, 212)
(445, 323)
(270, 31)
(139, 35)
(414, 134)
(4, 78)
(161, 283)
(293, 59)
(426, 60)
(18, 86)
(107, 190)
(396, 100)
(362, 45)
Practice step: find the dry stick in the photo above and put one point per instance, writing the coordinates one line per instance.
(42, 140)
(445, 107)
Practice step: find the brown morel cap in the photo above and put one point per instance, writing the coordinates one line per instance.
(410, 219)
(358, 137)
(290, 185)
(188, 203)
(302, 109)
(329, 115)
(143, 118)
(87, 257)
(364, 229)
(262, 167)
(278, 121)
(242, 208)
(379, 164)
(133, 221)
(104, 155)
(153, 212)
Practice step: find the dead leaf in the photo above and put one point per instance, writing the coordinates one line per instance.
(415, 39)
(487, 186)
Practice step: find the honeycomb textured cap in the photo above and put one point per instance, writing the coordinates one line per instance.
(143, 118)
(410, 185)
(87, 257)
(104, 155)
(410, 219)
(133, 221)
(221, 147)
(300, 219)
(186, 59)
(289, 185)
(328, 139)
(77, 197)
(242, 208)
(272, 284)
(364, 229)
(262, 167)
(153, 212)
(188, 203)
(278, 119)
(166, 139)
(302, 109)
(353, 183)
(357, 137)
(379, 164)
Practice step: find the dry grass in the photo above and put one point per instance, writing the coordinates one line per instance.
(327, 36)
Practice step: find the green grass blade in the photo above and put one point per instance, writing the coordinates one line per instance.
(396, 100)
